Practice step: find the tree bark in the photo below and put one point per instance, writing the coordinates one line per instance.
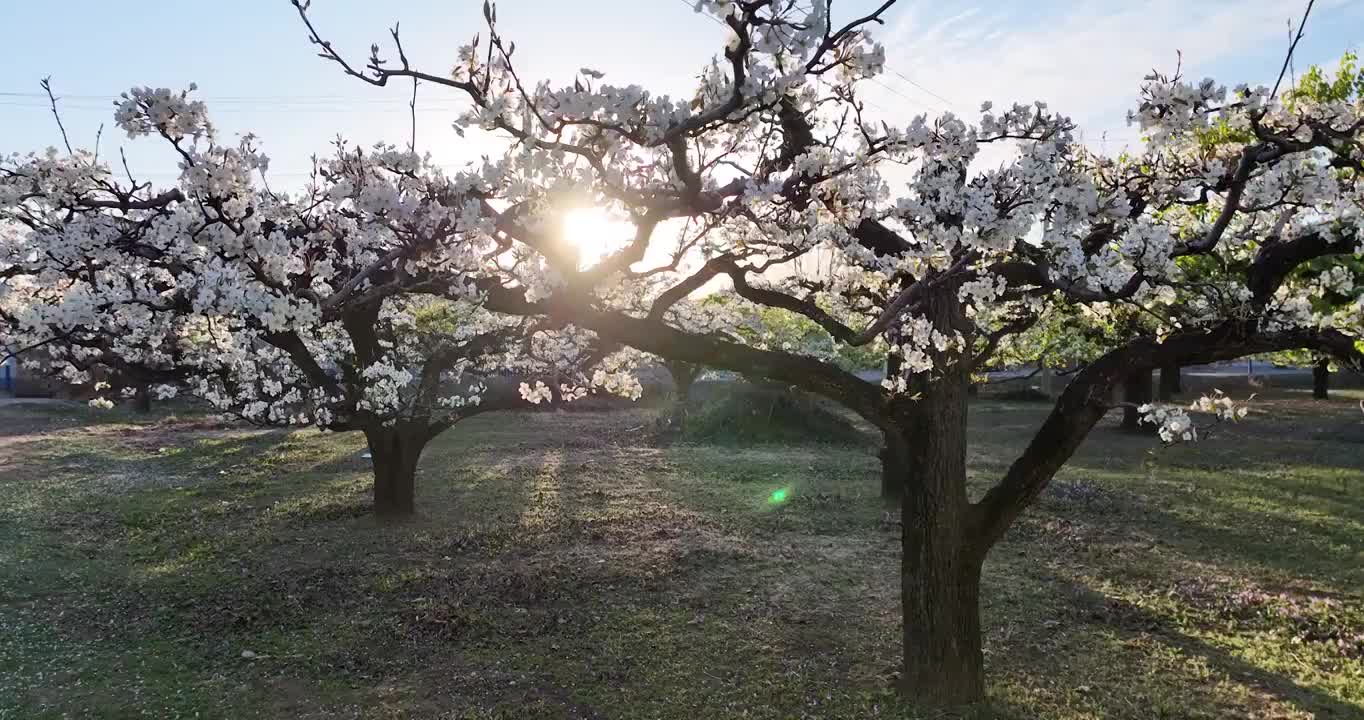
(1136, 390)
(1321, 379)
(894, 455)
(1170, 384)
(1046, 382)
(556, 393)
(395, 452)
(944, 664)
(142, 399)
(684, 375)
(940, 564)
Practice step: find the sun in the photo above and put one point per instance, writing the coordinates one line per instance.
(595, 233)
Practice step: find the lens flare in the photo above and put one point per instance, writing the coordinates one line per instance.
(595, 233)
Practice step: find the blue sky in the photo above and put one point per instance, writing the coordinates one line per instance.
(258, 73)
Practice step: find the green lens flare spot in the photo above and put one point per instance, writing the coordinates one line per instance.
(777, 496)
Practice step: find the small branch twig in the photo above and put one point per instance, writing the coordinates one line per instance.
(128, 171)
(412, 106)
(52, 100)
(1291, 47)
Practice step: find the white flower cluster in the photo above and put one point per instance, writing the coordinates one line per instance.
(920, 341)
(1222, 406)
(1174, 423)
(143, 111)
(384, 384)
(535, 395)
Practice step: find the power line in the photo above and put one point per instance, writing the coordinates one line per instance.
(273, 99)
(328, 102)
(902, 76)
(892, 90)
(302, 109)
(341, 103)
(268, 174)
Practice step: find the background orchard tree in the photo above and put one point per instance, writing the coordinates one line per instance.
(1058, 341)
(773, 159)
(352, 306)
(712, 320)
(1336, 294)
(1067, 337)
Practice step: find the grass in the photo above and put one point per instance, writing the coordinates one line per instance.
(565, 567)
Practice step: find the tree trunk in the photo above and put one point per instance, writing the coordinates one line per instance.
(142, 399)
(940, 567)
(894, 462)
(684, 375)
(1046, 382)
(395, 452)
(894, 468)
(1170, 384)
(1136, 390)
(556, 393)
(1321, 379)
(944, 664)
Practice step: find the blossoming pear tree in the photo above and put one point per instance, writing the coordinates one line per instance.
(353, 305)
(922, 246)
(1334, 288)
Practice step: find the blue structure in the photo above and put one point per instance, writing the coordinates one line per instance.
(7, 376)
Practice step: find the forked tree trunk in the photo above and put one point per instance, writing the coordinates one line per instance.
(1136, 390)
(940, 566)
(395, 452)
(1170, 384)
(1321, 379)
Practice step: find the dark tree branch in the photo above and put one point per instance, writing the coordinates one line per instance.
(1276, 260)
(292, 344)
(127, 203)
(1021, 273)
(831, 41)
(653, 336)
(1229, 208)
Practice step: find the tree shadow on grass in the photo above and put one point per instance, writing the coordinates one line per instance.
(1039, 599)
(1131, 621)
(596, 559)
(1248, 523)
(81, 491)
(282, 574)
(279, 556)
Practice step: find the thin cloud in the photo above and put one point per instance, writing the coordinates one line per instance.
(1086, 61)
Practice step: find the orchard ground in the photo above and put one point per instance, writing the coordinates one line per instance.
(566, 565)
